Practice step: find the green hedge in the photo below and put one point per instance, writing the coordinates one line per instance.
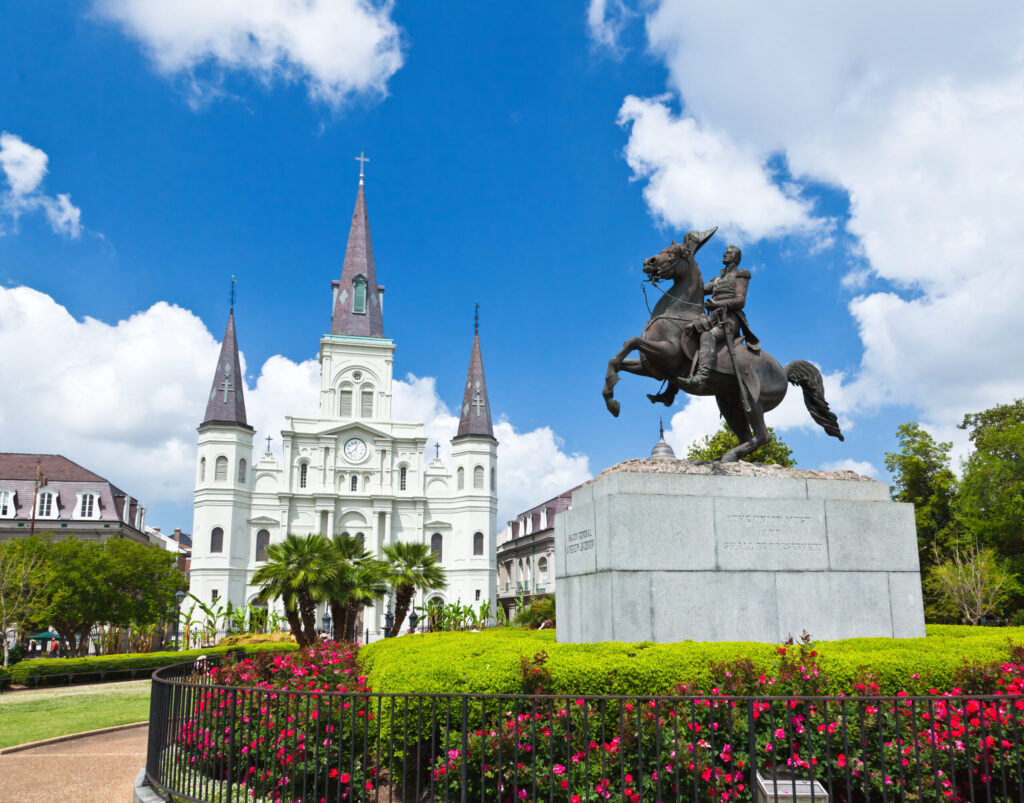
(47, 671)
(488, 662)
(5, 677)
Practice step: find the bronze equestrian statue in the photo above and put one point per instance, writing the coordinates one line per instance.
(693, 347)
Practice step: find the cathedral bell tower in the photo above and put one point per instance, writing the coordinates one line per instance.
(223, 490)
(475, 495)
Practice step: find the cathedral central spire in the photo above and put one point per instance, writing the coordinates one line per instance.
(357, 305)
(475, 417)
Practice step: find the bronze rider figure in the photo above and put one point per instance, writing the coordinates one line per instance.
(725, 318)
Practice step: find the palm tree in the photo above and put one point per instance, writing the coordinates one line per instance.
(411, 567)
(298, 571)
(359, 582)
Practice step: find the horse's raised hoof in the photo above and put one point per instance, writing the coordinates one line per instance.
(613, 407)
(664, 398)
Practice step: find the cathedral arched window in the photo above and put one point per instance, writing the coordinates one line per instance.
(361, 539)
(241, 470)
(461, 478)
(262, 542)
(478, 543)
(494, 481)
(345, 403)
(478, 477)
(366, 403)
(354, 483)
(403, 478)
(202, 469)
(303, 474)
(216, 540)
(359, 295)
(220, 469)
(436, 544)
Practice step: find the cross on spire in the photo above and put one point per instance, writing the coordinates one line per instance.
(361, 158)
(476, 318)
(268, 444)
(437, 450)
(234, 281)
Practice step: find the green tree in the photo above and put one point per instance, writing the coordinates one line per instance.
(990, 505)
(20, 564)
(412, 567)
(115, 582)
(299, 571)
(921, 476)
(360, 581)
(712, 447)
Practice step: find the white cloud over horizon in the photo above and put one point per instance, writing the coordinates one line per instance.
(23, 168)
(914, 112)
(339, 48)
(124, 400)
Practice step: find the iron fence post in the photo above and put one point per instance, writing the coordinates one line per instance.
(752, 749)
(465, 746)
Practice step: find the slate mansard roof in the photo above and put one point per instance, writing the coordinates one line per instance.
(67, 478)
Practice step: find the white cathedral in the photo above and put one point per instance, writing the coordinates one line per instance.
(352, 469)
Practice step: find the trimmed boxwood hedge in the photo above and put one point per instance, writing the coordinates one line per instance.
(488, 661)
(50, 671)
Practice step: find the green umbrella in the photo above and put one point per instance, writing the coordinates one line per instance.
(46, 634)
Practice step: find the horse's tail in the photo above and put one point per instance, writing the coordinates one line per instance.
(804, 374)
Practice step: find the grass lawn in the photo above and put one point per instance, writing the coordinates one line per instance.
(30, 715)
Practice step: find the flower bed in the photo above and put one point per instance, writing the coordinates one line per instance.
(306, 726)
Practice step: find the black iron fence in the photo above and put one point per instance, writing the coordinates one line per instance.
(217, 743)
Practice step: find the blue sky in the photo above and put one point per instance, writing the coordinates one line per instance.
(528, 156)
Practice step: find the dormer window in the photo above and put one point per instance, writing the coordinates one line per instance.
(359, 295)
(46, 505)
(6, 504)
(88, 505)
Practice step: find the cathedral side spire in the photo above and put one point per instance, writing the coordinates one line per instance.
(227, 399)
(357, 303)
(475, 417)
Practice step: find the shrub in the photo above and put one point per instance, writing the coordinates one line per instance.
(488, 662)
(50, 671)
(5, 677)
(256, 638)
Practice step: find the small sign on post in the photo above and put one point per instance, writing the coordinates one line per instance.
(793, 790)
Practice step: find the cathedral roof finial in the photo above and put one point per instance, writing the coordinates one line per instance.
(476, 319)
(234, 281)
(361, 158)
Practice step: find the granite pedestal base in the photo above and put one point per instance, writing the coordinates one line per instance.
(668, 557)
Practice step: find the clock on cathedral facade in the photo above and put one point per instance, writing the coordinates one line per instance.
(351, 469)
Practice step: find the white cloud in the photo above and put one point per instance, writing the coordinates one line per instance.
(124, 399)
(912, 109)
(340, 48)
(24, 167)
(606, 19)
(858, 466)
(698, 177)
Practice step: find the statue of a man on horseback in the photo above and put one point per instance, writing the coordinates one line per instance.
(725, 318)
(689, 344)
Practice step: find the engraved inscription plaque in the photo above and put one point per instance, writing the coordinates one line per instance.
(775, 534)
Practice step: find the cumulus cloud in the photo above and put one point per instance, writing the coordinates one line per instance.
(699, 177)
(124, 399)
(339, 48)
(24, 167)
(605, 20)
(915, 112)
(859, 466)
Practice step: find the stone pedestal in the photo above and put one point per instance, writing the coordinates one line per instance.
(745, 554)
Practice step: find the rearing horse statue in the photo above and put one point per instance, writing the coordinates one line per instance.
(745, 382)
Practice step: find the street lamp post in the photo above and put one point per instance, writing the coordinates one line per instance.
(389, 619)
(326, 622)
(179, 595)
(413, 619)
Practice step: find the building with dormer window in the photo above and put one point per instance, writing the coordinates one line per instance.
(351, 469)
(69, 500)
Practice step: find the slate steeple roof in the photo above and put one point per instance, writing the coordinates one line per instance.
(227, 396)
(475, 416)
(357, 309)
